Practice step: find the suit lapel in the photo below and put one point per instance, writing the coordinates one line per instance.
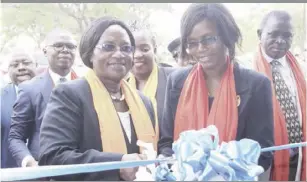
(160, 94)
(10, 97)
(241, 86)
(48, 85)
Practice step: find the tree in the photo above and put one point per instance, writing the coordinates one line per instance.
(38, 19)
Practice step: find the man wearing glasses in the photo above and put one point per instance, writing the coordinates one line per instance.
(28, 111)
(21, 68)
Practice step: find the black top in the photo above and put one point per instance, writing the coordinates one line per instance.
(211, 99)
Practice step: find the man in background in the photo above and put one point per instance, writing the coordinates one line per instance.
(28, 110)
(21, 68)
(275, 60)
(174, 48)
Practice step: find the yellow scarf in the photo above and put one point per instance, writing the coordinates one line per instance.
(150, 90)
(112, 136)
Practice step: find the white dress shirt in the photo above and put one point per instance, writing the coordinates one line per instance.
(16, 89)
(288, 76)
(56, 77)
(126, 122)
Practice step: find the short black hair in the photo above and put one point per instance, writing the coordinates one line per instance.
(173, 44)
(227, 28)
(151, 35)
(279, 14)
(53, 33)
(92, 35)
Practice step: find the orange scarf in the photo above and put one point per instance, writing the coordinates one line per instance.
(193, 106)
(280, 170)
(73, 75)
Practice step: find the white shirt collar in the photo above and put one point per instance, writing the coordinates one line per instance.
(16, 89)
(56, 77)
(282, 60)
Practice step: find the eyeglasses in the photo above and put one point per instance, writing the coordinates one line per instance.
(60, 46)
(205, 41)
(127, 49)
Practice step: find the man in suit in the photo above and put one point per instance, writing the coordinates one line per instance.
(174, 48)
(21, 68)
(28, 111)
(289, 94)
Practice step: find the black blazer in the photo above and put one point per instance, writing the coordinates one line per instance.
(163, 73)
(28, 112)
(70, 132)
(255, 111)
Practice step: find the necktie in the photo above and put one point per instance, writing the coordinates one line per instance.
(62, 80)
(287, 104)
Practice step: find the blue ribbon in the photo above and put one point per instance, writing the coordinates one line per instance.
(198, 157)
(13, 174)
(283, 147)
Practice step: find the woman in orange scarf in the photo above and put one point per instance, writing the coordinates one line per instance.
(216, 91)
(98, 118)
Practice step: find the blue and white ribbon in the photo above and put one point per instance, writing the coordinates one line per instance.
(14, 174)
(197, 157)
(200, 158)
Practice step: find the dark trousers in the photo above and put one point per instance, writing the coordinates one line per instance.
(293, 167)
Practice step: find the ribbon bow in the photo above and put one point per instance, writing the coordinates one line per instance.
(200, 158)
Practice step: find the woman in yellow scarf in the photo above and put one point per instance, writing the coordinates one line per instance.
(146, 75)
(98, 118)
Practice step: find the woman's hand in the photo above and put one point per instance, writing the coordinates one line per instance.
(128, 174)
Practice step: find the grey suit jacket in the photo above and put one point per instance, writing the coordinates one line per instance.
(8, 97)
(28, 112)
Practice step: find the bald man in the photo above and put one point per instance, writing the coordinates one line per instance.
(28, 111)
(21, 68)
(275, 60)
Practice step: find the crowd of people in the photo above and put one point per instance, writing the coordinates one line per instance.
(60, 118)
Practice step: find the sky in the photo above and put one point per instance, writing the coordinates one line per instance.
(166, 27)
(169, 25)
(165, 24)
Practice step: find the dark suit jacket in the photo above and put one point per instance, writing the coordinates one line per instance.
(8, 97)
(70, 132)
(28, 112)
(163, 73)
(255, 111)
